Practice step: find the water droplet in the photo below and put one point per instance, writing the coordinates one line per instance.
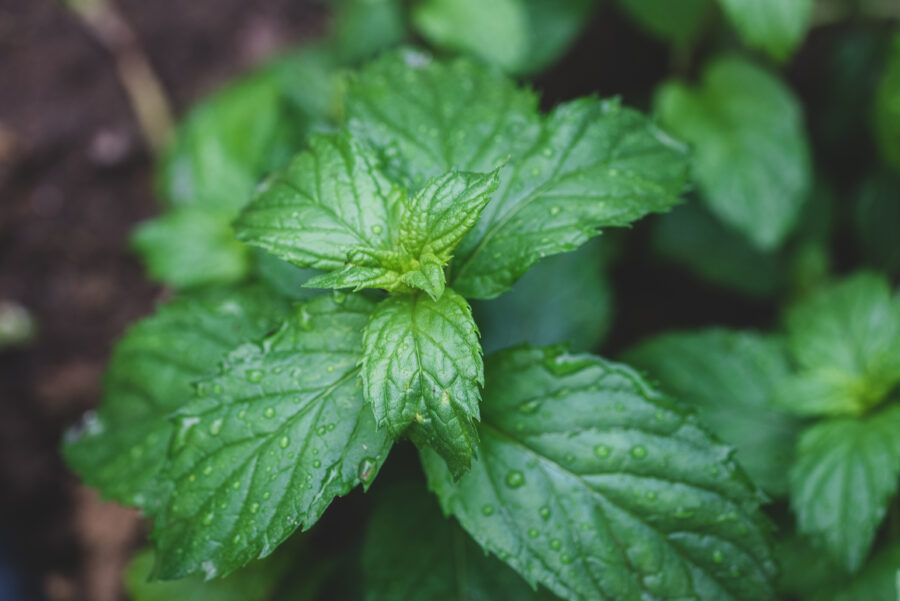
(255, 375)
(331, 427)
(555, 544)
(565, 558)
(544, 512)
(269, 412)
(305, 319)
(601, 451)
(236, 539)
(266, 495)
(330, 368)
(254, 507)
(533, 533)
(284, 442)
(530, 407)
(367, 470)
(515, 479)
(216, 426)
(320, 430)
(236, 484)
(207, 470)
(317, 463)
(548, 152)
(208, 518)
(487, 510)
(554, 210)
(717, 556)
(638, 452)
(377, 229)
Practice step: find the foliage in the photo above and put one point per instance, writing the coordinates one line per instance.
(372, 245)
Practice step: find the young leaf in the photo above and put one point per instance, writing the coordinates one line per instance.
(566, 298)
(192, 246)
(887, 107)
(842, 480)
(775, 26)
(422, 367)
(733, 378)
(412, 552)
(742, 115)
(121, 448)
(269, 442)
(594, 485)
(846, 340)
(589, 164)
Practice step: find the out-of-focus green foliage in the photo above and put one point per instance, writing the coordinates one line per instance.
(887, 107)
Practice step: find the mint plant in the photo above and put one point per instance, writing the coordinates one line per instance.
(388, 279)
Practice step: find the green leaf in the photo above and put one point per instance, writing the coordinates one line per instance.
(742, 115)
(677, 22)
(269, 442)
(596, 486)
(564, 298)
(842, 480)
(121, 448)
(228, 142)
(732, 378)
(363, 28)
(519, 36)
(692, 237)
(846, 341)
(496, 32)
(411, 552)
(877, 215)
(589, 164)
(422, 367)
(879, 580)
(256, 582)
(332, 209)
(775, 26)
(192, 247)
(887, 107)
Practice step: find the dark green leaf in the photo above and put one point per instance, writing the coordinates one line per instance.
(192, 247)
(269, 442)
(879, 580)
(774, 26)
(422, 366)
(589, 164)
(842, 480)
(742, 115)
(121, 448)
(412, 553)
(596, 486)
(678, 22)
(564, 298)
(732, 378)
(846, 340)
(887, 107)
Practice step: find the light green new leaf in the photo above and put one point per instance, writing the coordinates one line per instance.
(412, 553)
(678, 22)
(843, 478)
(846, 340)
(742, 115)
(269, 442)
(732, 378)
(596, 486)
(422, 368)
(774, 26)
(887, 107)
(332, 209)
(192, 246)
(121, 448)
(587, 165)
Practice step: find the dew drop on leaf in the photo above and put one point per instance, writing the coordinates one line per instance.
(544, 512)
(515, 479)
(269, 412)
(284, 442)
(255, 375)
(366, 470)
(638, 452)
(533, 533)
(487, 510)
(602, 451)
(555, 544)
(216, 426)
